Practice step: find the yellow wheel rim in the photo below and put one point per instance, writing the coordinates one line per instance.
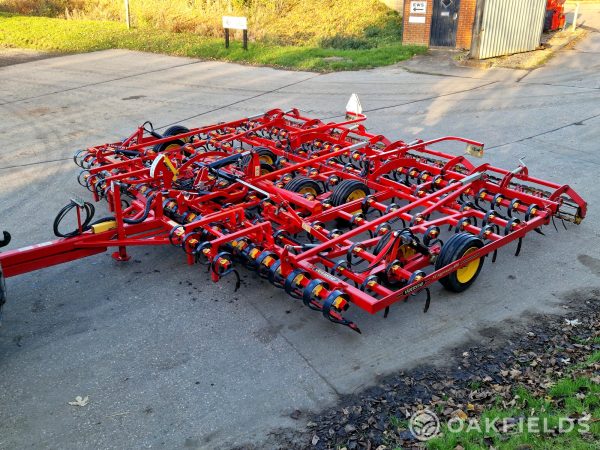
(308, 190)
(355, 195)
(466, 274)
(264, 171)
(266, 159)
(172, 146)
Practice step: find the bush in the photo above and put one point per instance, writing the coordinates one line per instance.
(306, 22)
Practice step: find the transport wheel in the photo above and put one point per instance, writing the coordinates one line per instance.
(348, 191)
(264, 155)
(459, 245)
(175, 130)
(266, 168)
(304, 186)
(159, 148)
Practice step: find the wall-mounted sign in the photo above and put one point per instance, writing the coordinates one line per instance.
(235, 23)
(416, 19)
(418, 7)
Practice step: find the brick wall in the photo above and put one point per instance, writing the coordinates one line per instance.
(418, 33)
(465, 23)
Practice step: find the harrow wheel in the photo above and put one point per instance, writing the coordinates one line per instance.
(175, 130)
(459, 245)
(304, 186)
(266, 168)
(348, 191)
(177, 143)
(264, 155)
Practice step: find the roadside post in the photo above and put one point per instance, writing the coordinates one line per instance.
(575, 16)
(236, 23)
(127, 15)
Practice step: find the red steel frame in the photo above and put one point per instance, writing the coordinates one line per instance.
(216, 199)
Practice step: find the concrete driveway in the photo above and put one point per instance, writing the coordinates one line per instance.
(169, 359)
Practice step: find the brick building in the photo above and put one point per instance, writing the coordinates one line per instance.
(487, 28)
(445, 23)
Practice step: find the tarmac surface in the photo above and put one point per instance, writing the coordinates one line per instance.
(170, 360)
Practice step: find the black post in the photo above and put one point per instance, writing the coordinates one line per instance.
(245, 39)
(226, 37)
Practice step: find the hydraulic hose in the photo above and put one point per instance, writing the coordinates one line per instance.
(89, 214)
(144, 216)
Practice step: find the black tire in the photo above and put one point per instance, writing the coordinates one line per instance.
(300, 184)
(345, 189)
(159, 148)
(175, 130)
(266, 168)
(264, 155)
(455, 248)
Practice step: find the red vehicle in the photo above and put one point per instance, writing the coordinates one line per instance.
(555, 15)
(330, 213)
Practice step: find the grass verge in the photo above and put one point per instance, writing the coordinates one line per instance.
(76, 36)
(566, 418)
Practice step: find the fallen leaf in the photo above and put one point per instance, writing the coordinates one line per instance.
(460, 414)
(315, 440)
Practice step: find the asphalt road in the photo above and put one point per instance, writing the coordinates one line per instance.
(169, 359)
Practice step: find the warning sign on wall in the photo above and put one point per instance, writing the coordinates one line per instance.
(418, 7)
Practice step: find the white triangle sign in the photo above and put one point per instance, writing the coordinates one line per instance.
(354, 107)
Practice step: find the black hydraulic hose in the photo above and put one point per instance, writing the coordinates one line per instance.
(89, 214)
(102, 220)
(131, 153)
(144, 216)
(140, 219)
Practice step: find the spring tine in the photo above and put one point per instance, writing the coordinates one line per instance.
(563, 223)
(238, 281)
(386, 312)
(6, 239)
(353, 327)
(494, 256)
(427, 300)
(519, 245)
(539, 231)
(554, 223)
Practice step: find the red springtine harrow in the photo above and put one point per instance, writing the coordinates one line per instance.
(328, 212)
